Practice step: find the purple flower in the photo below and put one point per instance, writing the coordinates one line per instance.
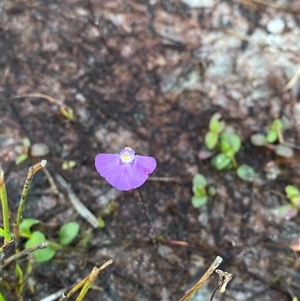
(125, 171)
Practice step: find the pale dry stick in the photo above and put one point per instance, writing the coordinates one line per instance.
(293, 80)
(291, 145)
(51, 181)
(164, 179)
(38, 95)
(79, 207)
(270, 4)
(41, 245)
(224, 278)
(202, 280)
(54, 296)
(66, 111)
(86, 282)
(238, 35)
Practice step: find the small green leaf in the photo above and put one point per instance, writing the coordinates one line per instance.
(272, 136)
(258, 140)
(246, 173)
(224, 143)
(199, 190)
(21, 158)
(40, 255)
(286, 211)
(295, 200)
(277, 124)
(291, 191)
(26, 142)
(230, 141)
(67, 112)
(284, 151)
(211, 191)
(199, 180)
(68, 232)
(211, 139)
(215, 125)
(20, 149)
(68, 164)
(221, 161)
(101, 223)
(198, 201)
(25, 226)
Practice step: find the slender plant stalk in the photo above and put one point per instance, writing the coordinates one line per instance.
(66, 111)
(31, 172)
(5, 213)
(146, 211)
(233, 161)
(7, 239)
(202, 280)
(18, 271)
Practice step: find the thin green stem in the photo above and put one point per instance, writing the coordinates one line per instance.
(2, 297)
(5, 234)
(5, 212)
(84, 290)
(85, 283)
(234, 163)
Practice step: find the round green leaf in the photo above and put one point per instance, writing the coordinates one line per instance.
(25, 226)
(199, 180)
(21, 158)
(39, 255)
(284, 151)
(295, 200)
(230, 141)
(221, 161)
(272, 136)
(215, 125)
(198, 201)
(258, 139)
(211, 191)
(101, 223)
(246, 173)
(211, 139)
(68, 232)
(26, 142)
(277, 124)
(224, 144)
(286, 211)
(291, 191)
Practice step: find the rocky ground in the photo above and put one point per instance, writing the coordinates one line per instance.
(149, 75)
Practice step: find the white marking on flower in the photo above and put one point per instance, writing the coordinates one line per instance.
(127, 155)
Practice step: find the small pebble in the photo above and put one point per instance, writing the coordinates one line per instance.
(39, 150)
(276, 26)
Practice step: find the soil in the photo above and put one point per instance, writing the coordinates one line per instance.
(149, 75)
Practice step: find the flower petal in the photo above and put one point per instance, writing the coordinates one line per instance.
(145, 163)
(105, 163)
(124, 176)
